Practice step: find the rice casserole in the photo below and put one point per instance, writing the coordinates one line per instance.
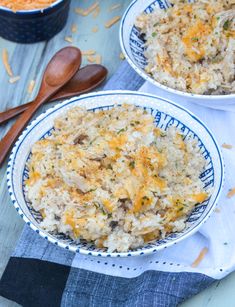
(111, 177)
(191, 46)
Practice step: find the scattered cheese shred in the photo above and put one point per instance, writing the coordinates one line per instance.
(89, 52)
(112, 21)
(79, 11)
(6, 62)
(31, 86)
(14, 79)
(122, 56)
(227, 146)
(96, 12)
(74, 28)
(88, 10)
(95, 29)
(114, 7)
(200, 257)
(91, 8)
(91, 59)
(231, 193)
(98, 59)
(68, 39)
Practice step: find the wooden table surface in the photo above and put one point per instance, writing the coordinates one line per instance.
(28, 61)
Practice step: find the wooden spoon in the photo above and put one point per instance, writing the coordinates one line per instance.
(85, 80)
(61, 68)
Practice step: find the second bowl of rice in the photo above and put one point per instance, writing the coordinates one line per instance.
(184, 48)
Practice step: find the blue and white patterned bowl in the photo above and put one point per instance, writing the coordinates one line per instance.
(132, 45)
(166, 114)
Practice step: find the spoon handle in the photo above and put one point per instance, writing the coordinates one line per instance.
(9, 139)
(8, 114)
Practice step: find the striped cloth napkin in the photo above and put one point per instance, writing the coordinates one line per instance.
(42, 274)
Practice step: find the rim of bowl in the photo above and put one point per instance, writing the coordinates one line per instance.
(4, 8)
(148, 77)
(80, 250)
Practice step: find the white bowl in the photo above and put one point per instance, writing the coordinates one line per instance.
(133, 48)
(166, 114)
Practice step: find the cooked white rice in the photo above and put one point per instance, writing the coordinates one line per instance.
(113, 178)
(191, 46)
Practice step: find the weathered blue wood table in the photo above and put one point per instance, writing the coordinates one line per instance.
(28, 62)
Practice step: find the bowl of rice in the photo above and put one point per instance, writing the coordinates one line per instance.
(186, 49)
(115, 173)
(32, 21)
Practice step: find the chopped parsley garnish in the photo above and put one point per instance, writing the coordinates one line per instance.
(96, 205)
(109, 166)
(145, 197)
(121, 130)
(104, 213)
(132, 164)
(154, 34)
(226, 25)
(92, 190)
(194, 39)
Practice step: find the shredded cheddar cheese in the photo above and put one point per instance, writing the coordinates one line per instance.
(19, 5)
(227, 146)
(231, 193)
(112, 21)
(200, 257)
(6, 64)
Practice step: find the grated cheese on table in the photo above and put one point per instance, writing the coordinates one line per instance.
(5, 60)
(200, 257)
(89, 10)
(122, 56)
(14, 79)
(112, 21)
(231, 193)
(114, 7)
(31, 86)
(98, 59)
(95, 29)
(68, 39)
(91, 59)
(227, 146)
(96, 12)
(74, 28)
(88, 52)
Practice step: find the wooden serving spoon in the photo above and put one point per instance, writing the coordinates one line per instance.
(61, 68)
(85, 80)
